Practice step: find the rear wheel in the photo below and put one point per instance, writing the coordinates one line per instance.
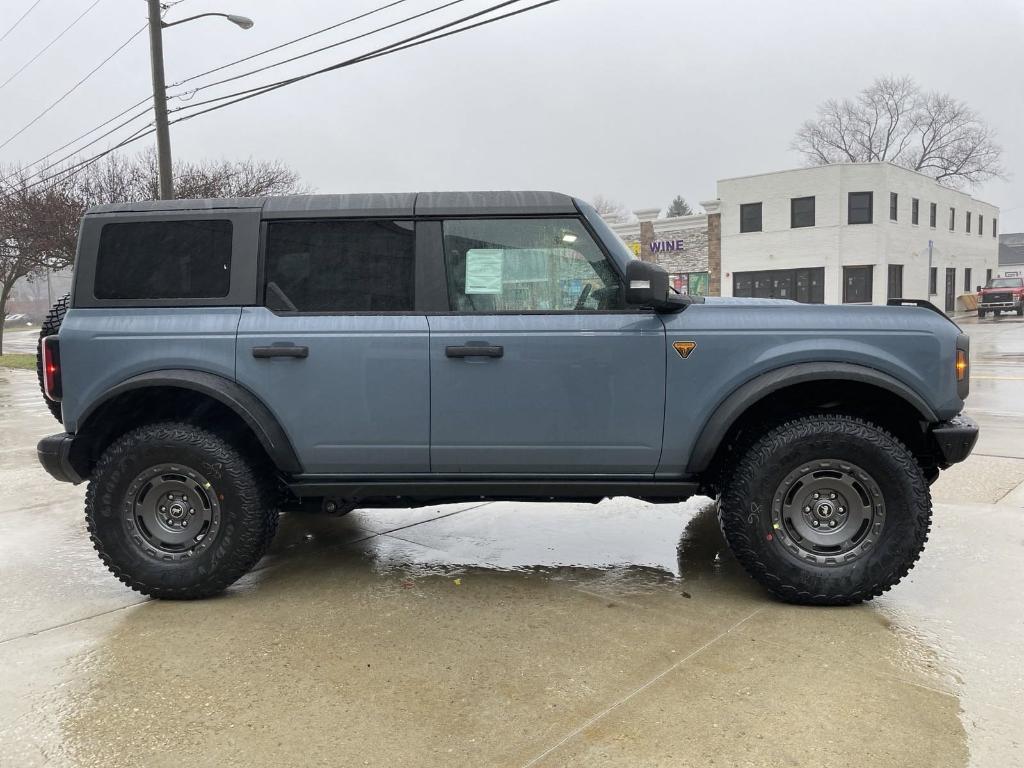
(826, 510)
(177, 512)
(51, 325)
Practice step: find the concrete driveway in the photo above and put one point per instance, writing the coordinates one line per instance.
(517, 634)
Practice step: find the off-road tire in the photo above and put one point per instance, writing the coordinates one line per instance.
(1020, 311)
(51, 325)
(247, 511)
(749, 492)
(981, 313)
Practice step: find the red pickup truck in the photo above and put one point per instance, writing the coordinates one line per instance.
(1002, 294)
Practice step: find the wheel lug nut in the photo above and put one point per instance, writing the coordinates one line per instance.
(817, 495)
(807, 509)
(831, 495)
(841, 510)
(815, 523)
(163, 509)
(831, 523)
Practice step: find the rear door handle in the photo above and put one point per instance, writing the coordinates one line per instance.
(475, 350)
(281, 351)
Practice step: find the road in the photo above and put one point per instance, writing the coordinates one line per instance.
(518, 634)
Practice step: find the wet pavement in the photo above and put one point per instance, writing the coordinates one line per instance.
(509, 634)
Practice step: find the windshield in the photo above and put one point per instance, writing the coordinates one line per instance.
(1006, 282)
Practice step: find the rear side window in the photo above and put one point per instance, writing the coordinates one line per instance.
(164, 260)
(340, 266)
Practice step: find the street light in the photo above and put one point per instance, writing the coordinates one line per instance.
(156, 50)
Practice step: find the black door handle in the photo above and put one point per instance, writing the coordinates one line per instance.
(282, 351)
(475, 350)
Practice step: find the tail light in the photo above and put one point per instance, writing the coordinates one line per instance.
(51, 368)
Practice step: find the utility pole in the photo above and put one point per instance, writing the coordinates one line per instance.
(163, 132)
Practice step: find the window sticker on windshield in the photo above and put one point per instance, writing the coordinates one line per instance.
(484, 270)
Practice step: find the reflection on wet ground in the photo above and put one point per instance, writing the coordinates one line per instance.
(504, 634)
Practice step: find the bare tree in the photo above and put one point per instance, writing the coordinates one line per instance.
(679, 207)
(38, 231)
(608, 208)
(123, 178)
(893, 119)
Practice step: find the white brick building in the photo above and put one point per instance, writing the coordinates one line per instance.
(853, 233)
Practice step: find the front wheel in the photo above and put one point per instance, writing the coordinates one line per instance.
(826, 510)
(177, 512)
(981, 313)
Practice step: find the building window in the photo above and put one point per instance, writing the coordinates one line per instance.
(803, 285)
(967, 280)
(968, 220)
(952, 219)
(933, 214)
(750, 217)
(857, 285)
(981, 225)
(859, 209)
(914, 206)
(988, 276)
(895, 281)
(893, 206)
(994, 222)
(801, 212)
(933, 280)
(693, 283)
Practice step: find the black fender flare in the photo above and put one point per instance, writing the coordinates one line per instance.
(730, 409)
(245, 404)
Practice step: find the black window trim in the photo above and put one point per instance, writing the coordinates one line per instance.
(870, 208)
(243, 285)
(578, 216)
(760, 217)
(871, 283)
(261, 288)
(792, 212)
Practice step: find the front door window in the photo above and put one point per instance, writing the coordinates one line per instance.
(523, 265)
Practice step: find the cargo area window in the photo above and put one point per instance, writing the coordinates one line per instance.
(334, 265)
(521, 265)
(164, 260)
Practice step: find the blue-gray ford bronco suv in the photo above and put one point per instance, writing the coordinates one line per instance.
(219, 361)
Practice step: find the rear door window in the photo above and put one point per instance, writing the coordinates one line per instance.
(340, 266)
(164, 260)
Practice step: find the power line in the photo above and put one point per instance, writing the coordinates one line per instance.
(383, 51)
(189, 79)
(47, 47)
(90, 131)
(286, 44)
(322, 49)
(71, 90)
(257, 90)
(20, 19)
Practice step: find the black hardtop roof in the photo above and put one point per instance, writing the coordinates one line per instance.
(398, 204)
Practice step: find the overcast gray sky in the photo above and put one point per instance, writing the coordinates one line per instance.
(637, 100)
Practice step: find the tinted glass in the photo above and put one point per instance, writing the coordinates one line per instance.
(860, 204)
(893, 205)
(517, 265)
(750, 217)
(801, 212)
(914, 210)
(968, 220)
(803, 285)
(340, 266)
(856, 285)
(967, 280)
(164, 260)
(895, 281)
(933, 213)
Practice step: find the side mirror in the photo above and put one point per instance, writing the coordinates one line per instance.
(647, 286)
(978, 289)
